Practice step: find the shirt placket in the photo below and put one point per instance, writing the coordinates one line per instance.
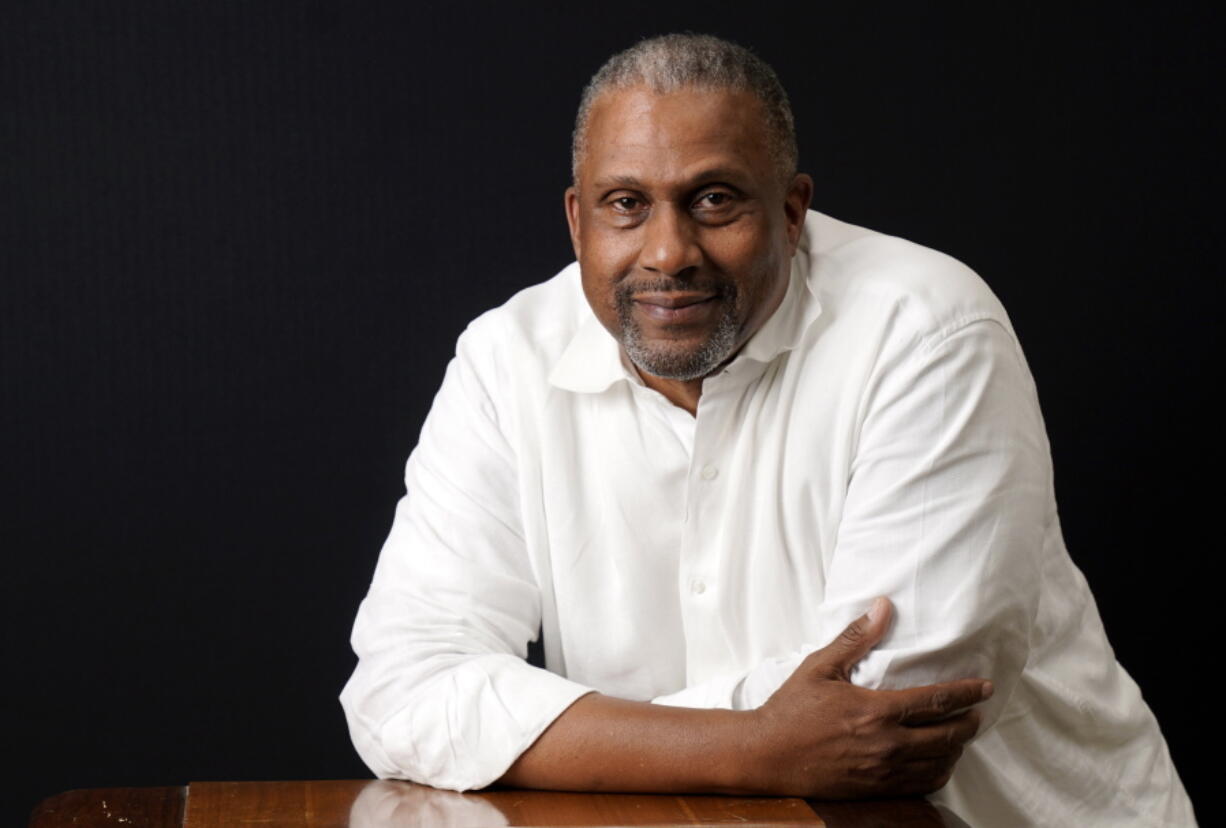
(701, 590)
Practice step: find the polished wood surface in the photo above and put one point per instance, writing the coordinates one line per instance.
(388, 804)
(893, 813)
(112, 808)
(383, 804)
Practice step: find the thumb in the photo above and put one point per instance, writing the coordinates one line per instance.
(838, 657)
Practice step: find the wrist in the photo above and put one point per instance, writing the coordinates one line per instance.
(738, 769)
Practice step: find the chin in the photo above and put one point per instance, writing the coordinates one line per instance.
(678, 362)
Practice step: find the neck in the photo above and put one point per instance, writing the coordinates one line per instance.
(681, 393)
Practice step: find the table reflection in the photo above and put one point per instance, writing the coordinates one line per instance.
(383, 804)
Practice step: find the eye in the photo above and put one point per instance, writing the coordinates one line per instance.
(713, 200)
(626, 204)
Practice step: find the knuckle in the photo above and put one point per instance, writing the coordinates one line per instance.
(876, 770)
(908, 711)
(819, 664)
(864, 721)
(852, 635)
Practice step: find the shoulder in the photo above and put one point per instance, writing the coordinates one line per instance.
(504, 356)
(533, 327)
(918, 291)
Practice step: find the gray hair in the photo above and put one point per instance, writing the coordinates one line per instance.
(670, 62)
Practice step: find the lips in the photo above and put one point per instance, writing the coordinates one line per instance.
(674, 307)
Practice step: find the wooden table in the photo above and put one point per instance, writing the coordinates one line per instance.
(386, 804)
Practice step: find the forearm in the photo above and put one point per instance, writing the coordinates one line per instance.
(818, 735)
(601, 743)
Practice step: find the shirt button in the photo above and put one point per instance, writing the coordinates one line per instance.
(698, 587)
(709, 472)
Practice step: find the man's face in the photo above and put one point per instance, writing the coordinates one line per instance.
(682, 226)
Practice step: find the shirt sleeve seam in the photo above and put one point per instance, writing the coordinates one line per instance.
(942, 335)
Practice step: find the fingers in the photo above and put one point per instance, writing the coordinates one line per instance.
(924, 776)
(922, 705)
(921, 759)
(943, 738)
(860, 636)
(913, 762)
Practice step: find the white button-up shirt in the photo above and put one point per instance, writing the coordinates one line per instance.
(879, 435)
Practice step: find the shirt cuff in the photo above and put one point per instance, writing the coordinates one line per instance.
(473, 728)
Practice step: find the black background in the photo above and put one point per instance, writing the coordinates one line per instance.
(238, 240)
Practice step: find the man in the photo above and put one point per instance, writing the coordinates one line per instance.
(737, 455)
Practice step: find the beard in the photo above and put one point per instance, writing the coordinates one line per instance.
(674, 360)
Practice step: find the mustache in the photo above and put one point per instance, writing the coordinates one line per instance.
(665, 285)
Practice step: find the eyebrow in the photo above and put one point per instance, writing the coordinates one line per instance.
(616, 182)
(729, 174)
(707, 176)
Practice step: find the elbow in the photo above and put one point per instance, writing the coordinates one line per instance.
(364, 734)
(433, 736)
(996, 649)
(398, 758)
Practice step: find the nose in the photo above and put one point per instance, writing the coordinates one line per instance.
(669, 245)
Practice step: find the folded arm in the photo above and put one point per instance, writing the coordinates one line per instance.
(947, 503)
(944, 513)
(817, 736)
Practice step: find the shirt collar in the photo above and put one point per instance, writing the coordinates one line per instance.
(593, 360)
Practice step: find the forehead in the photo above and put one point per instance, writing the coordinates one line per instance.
(639, 133)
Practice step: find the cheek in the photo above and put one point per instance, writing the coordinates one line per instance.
(601, 294)
(761, 279)
(610, 249)
(750, 258)
(605, 262)
(741, 245)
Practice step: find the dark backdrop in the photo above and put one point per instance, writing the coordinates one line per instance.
(238, 240)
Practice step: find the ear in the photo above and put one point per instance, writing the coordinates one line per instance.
(571, 199)
(795, 206)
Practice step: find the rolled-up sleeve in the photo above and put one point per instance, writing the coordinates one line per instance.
(948, 499)
(948, 504)
(442, 694)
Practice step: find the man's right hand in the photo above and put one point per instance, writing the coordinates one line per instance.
(821, 736)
